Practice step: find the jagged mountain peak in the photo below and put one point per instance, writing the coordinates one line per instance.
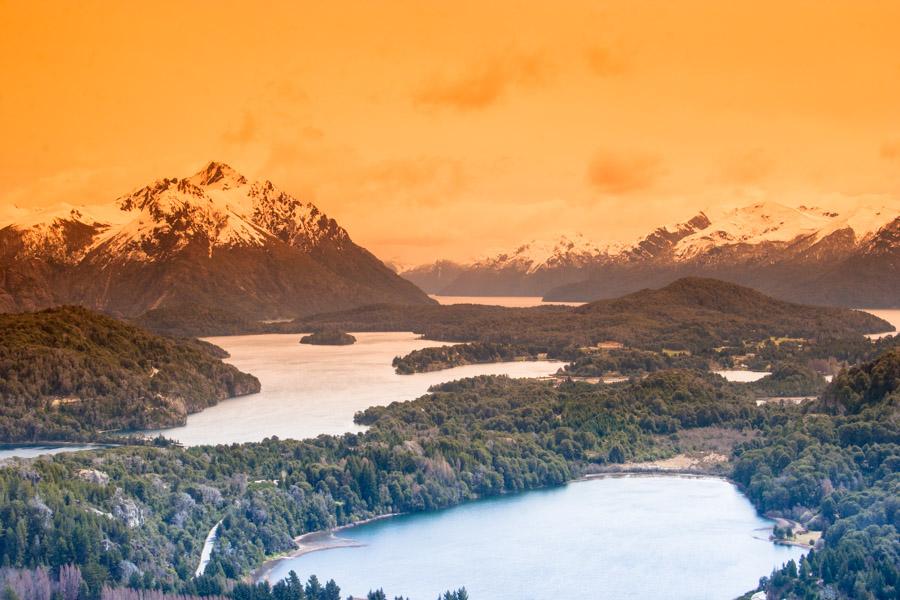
(212, 238)
(219, 174)
(217, 206)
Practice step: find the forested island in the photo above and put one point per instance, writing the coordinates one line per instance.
(328, 337)
(137, 516)
(69, 373)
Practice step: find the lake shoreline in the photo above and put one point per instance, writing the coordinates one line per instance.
(325, 539)
(314, 541)
(608, 502)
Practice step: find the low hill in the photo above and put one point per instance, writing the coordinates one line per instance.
(68, 373)
(689, 314)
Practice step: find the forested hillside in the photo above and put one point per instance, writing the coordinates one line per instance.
(137, 516)
(835, 466)
(689, 314)
(67, 373)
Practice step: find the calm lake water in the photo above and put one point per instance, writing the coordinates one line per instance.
(309, 390)
(11, 451)
(625, 537)
(510, 301)
(742, 375)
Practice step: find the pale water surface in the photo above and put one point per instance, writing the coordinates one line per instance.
(613, 538)
(309, 390)
(509, 301)
(742, 375)
(11, 451)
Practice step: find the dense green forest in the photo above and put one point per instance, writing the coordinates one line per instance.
(631, 361)
(836, 465)
(66, 373)
(445, 357)
(136, 517)
(690, 314)
(67, 583)
(789, 379)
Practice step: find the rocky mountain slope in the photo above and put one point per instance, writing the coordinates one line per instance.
(802, 254)
(213, 239)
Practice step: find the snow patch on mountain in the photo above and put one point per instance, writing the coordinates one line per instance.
(759, 223)
(215, 208)
(567, 250)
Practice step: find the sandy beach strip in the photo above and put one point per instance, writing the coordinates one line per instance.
(315, 541)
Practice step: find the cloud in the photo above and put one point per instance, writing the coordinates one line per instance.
(604, 61)
(891, 150)
(424, 180)
(748, 168)
(244, 133)
(617, 173)
(484, 84)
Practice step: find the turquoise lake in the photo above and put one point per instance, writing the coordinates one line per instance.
(617, 537)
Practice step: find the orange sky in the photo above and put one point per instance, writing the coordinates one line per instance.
(449, 128)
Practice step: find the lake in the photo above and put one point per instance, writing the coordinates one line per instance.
(309, 390)
(14, 451)
(617, 537)
(509, 301)
(742, 375)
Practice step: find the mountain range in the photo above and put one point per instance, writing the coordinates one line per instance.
(212, 240)
(803, 254)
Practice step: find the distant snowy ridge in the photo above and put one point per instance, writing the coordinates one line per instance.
(802, 253)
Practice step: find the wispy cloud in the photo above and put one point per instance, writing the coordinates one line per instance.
(402, 176)
(244, 133)
(605, 61)
(484, 84)
(747, 168)
(890, 150)
(623, 173)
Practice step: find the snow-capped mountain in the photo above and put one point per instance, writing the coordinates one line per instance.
(213, 239)
(572, 250)
(806, 254)
(528, 269)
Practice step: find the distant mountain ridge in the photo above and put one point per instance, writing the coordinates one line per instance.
(213, 239)
(804, 254)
